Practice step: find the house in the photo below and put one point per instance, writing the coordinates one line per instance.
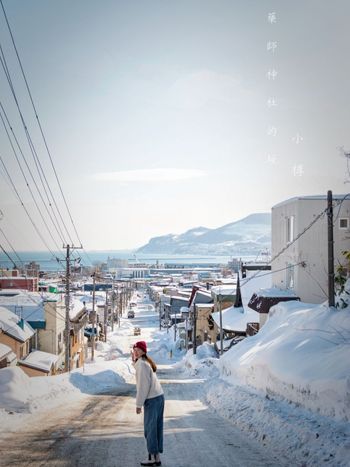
(173, 307)
(223, 295)
(15, 333)
(11, 279)
(201, 306)
(46, 315)
(40, 312)
(78, 316)
(206, 328)
(39, 363)
(264, 299)
(303, 266)
(7, 356)
(235, 320)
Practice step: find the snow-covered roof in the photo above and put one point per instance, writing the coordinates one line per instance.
(40, 360)
(76, 306)
(87, 297)
(308, 198)
(179, 297)
(228, 280)
(235, 319)
(9, 323)
(30, 305)
(4, 350)
(223, 290)
(275, 292)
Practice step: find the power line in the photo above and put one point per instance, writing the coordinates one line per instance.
(9, 257)
(30, 143)
(8, 241)
(7, 73)
(54, 315)
(39, 123)
(339, 202)
(26, 180)
(290, 266)
(25, 209)
(322, 213)
(33, 151)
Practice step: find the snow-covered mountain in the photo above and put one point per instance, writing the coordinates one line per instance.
(248, 236)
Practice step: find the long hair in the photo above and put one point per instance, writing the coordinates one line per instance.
(150, 361)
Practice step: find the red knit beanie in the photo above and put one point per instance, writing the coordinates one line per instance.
(141, 345)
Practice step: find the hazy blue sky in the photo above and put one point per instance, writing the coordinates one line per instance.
(160, 115)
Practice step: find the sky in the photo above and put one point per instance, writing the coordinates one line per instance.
(161, 116)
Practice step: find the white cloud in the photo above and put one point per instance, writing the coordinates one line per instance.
(150, 175)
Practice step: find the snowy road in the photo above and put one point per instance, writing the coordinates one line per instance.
(105, 431)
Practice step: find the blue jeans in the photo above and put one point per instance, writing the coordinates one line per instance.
(153, 424)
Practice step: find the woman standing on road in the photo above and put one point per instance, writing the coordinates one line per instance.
(150, 396)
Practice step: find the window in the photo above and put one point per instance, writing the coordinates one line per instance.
(344, 223)
(290, 229)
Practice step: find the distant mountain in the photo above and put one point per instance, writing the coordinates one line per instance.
(248, 236)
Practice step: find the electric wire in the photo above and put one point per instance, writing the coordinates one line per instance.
(5, 252)
(339, 203)
(34, 154)
(40, 128)
(28, 185)
(321, 214)
(26, 210)
(30, 142)
(39, 123)
(8, 241)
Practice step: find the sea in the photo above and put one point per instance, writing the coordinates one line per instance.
(49, 262)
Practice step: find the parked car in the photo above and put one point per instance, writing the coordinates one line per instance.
(131, 314)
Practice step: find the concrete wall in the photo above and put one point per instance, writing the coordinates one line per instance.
(51, 339)
(310, 280)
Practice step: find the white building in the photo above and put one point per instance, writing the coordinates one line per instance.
(304, 265)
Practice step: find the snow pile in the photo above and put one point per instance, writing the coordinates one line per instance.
(12, 396)
(307, 438)
(96, 382)
(301, 355)
(203, 363)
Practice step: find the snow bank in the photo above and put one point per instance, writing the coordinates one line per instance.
(301, 355)
(203, 363)
(12, 397)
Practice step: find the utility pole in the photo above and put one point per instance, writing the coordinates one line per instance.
(194, 329)
(113, 296)
(221, 330)
(105, 316)
(331, 297)
(93, 318)
(67, 304)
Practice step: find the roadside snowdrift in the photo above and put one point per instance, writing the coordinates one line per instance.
(301, 355)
